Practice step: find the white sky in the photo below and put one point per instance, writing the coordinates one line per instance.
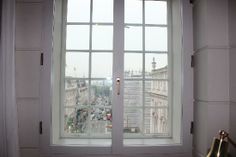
(77, 64)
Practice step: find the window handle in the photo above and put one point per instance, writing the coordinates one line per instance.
(118, 86)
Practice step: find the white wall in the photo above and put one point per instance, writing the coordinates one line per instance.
(232, 41)
(211, 90)
(28, 48)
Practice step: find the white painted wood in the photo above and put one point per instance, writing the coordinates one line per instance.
(130, 155)
(118, 66)
(183, 149)
(232, 22)
(217, 23)
(3, 148)
(187, 82)
(211, 111)
(232, 126)
(232, 43)
(200, 75)
(29, 152)
(207, 124)
(29, 1)
(208, 30)
(212, 75)
(221, 121)
(9, 131)
(28, 25)
(232, 74)
(218, 75)
(199, 24)
(27, 74)
(45, 77)
(28, 117)
(200, 129)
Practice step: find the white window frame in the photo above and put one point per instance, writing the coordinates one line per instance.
(143, 52)
(184, 147)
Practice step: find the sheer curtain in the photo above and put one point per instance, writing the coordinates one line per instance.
(8, 110)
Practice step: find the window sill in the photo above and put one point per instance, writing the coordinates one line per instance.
(150, 142)
(83, 142)
(70, 147)
(107, 142)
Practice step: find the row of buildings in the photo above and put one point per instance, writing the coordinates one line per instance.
(146, 98)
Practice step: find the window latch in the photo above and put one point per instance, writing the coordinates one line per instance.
(118, 85)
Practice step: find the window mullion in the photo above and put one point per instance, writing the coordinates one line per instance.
(90, 67)
(170, 68)
(118, 71)
(62, 67)
(143, 81)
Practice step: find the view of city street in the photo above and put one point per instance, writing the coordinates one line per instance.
(96, 117)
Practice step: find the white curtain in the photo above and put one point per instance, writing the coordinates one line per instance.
(9, 146)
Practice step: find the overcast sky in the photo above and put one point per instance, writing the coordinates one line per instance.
(77, 63)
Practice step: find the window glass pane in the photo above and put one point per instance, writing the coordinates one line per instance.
(77, 64)
(102, 10)
(76, 120)
(133, 65)
(133, 91)
(155, 65)
(77, 37)
(101, 93)
(101, 102)
(133, 11)
(133, 38)
(78, 10)
(156, 93)
(102, 37)
(156, 39)
(101, 65)
(133, 120)
(156, 121)
(155, 12)
(76, 93)
(101, 121)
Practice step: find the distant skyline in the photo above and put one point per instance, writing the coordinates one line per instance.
(78, 63)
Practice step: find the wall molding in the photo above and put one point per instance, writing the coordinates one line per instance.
(210, 102)
(27, 98)
(27, 2)
(213, 47)
(28, 50)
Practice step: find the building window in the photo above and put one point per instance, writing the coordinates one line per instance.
(92, 50)
(87, 91)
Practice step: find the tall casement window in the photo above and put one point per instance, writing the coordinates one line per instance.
(117, 73)
(88, 60)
